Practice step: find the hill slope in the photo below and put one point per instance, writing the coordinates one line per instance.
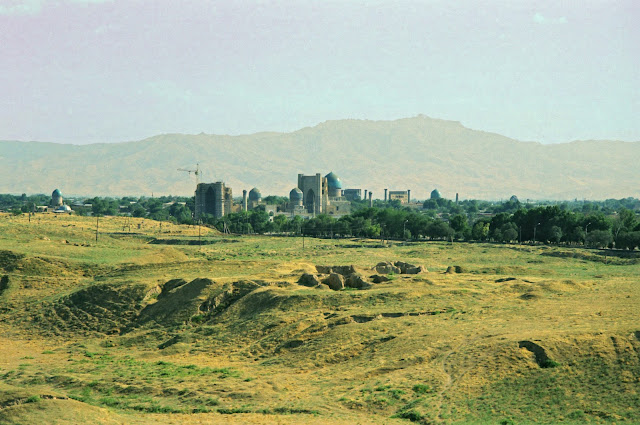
(126, 331)
(417, 153)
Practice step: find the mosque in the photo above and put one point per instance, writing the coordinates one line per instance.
(313, 195)
(57, 204)
(318, 195)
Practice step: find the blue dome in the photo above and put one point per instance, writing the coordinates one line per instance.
(254, 194)
(435, 194)
(56, 193)
(333, 181)
(295, 194)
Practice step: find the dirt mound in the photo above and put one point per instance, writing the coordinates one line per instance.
(103, 308)
(177, 302)
(340, 277)
(42, 409)
(456, 269)
(309, 279)
(4, 283)
(605, 256)
(198, 301)
(398, 267)
(9, 260)
(43, 266)
(540, 353)
(115, 309)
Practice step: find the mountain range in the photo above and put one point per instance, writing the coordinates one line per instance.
(418, 153)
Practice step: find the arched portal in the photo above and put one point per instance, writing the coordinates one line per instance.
(210, 201)
(310, 201)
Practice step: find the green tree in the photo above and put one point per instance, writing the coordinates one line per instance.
(509, 232)
(555, 234)
(460, 226)
(599, 238)
(480, 231)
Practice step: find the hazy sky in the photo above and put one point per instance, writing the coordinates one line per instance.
(82, 71)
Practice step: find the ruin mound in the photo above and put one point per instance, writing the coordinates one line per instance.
(340, 277)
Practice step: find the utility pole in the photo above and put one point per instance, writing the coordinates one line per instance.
(535, 226)
(586, 228)
(520, 239)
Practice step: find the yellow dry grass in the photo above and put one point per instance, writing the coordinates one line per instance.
(250, 345)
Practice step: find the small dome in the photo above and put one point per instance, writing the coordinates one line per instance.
(255, 195)
(435, 194)
(295, 194)
(333, 181)
(514, 198)
(56, 193)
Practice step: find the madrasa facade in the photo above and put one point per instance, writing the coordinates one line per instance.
(313, 195)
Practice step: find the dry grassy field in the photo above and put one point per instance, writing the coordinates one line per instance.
(153, 324)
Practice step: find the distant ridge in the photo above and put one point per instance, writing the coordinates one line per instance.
(418, 153)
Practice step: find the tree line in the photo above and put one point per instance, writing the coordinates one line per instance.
(610, 223)
(543, 224)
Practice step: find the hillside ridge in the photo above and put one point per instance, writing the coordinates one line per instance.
(418, 153)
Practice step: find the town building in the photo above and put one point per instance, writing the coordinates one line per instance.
(404, 196)
(213, 199)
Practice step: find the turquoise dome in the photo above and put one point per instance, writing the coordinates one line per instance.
(255, 195)
(333, 181)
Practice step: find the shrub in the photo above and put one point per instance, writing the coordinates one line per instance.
(421, 389)
(411, 415)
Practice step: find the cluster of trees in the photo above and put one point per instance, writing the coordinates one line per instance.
(366, 222)
(472, 206)
(553, 224)
(179, 209)
(544, 224)
(18, 204)
(597, 224)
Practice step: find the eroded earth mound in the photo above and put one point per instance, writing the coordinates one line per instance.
(340, 277)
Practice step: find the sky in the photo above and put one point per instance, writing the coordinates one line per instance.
(89, 71)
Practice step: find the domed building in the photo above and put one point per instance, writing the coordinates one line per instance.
(255, 198)
(295, 197)
(322, 195)
(255, 195)
(56, 198)
(334, 185)
(63, 209)
(435, 194)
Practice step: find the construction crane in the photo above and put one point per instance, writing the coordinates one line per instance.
(196, 172)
